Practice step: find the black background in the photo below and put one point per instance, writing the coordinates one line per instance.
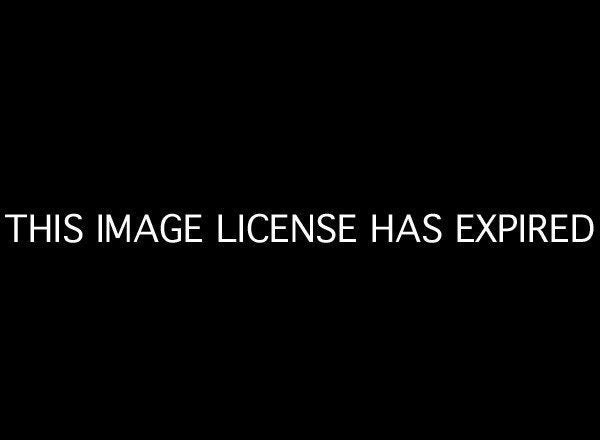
(386, 112)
